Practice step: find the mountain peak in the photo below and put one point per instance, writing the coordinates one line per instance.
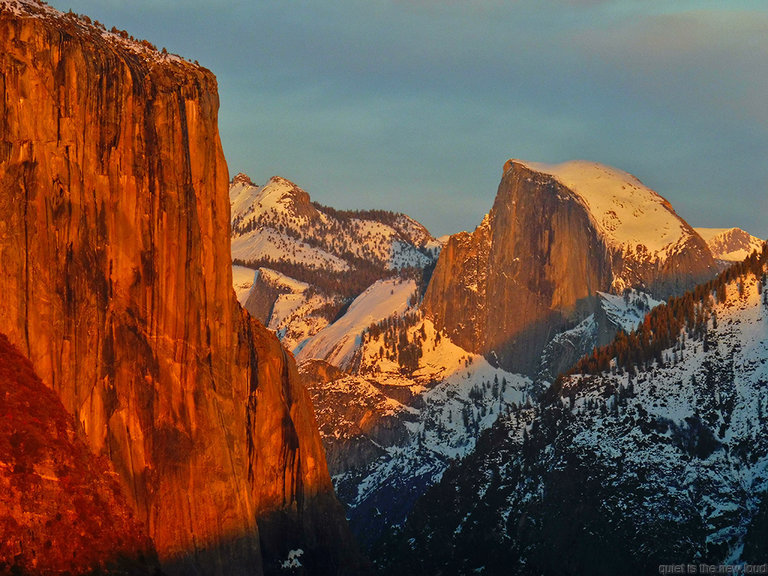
(242, 179)
(730, 244)
(623, 209)
(280, 193)
(555, 235)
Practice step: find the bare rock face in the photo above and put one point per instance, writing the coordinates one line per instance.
(534, 265)
(61, 508)
(352, 413)
(261, 298)
(117, 284)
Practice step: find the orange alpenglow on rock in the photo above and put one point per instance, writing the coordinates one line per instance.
(61, 508)
(116, 283)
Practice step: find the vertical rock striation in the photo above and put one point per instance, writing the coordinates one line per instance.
(114, 243)
(61, 509)
(533, 266)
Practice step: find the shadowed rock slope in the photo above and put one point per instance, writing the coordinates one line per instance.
(117, 284)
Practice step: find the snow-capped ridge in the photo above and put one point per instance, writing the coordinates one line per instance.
(628, 213)
(730, 244)
(278, 226)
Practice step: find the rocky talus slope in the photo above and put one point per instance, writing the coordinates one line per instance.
(61, 508)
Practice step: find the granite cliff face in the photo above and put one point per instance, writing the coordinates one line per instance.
(61, 508)
(554, 237)
(117, 285)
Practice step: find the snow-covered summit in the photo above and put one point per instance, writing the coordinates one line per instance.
(279, 222)
(628, 213)
(730, 244)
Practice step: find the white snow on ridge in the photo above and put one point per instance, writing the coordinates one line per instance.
(337, 343)
(730, 244)
(283, 211)
(280, 280)
(242, 281)
(627, 212)
(277, 194)
(269, 243)
(242, 197)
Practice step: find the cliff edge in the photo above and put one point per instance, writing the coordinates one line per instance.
(117, 285)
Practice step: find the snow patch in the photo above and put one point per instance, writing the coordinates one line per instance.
(337, 343)
(624, 210)
(293, 561)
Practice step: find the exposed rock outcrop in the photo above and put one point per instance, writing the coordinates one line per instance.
(347, 418)
(61, 508)
(117, 284)
(546, 247)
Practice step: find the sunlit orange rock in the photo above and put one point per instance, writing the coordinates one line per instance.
(61, 508)
(116, 283)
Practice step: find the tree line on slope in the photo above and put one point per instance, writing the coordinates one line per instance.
(348, 283)
(661, 327)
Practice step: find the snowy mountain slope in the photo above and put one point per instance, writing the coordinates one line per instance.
(336, 255)
(415, 403)
(278, 222)
(612, 313)
(730, 244)
(338, 342)
(625, 312)
(621, 471)
(411, 398)
(273, 246)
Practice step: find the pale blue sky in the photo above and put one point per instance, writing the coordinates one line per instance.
(415, 106)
